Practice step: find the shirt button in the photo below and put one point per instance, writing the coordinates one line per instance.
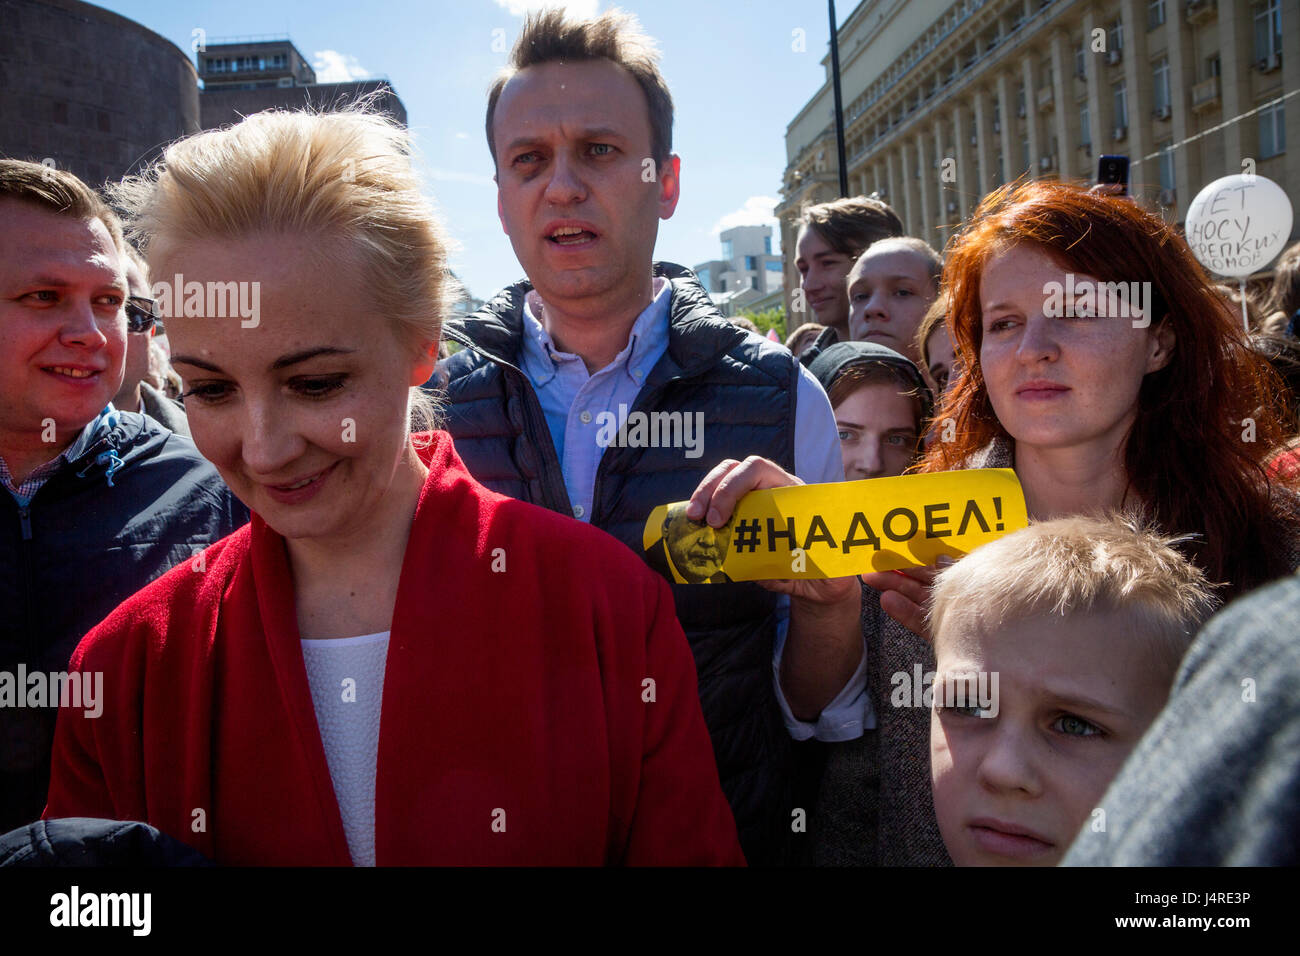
(579, 511)
(636, 373)
(586, 417)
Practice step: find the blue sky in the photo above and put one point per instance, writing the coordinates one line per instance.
(735, 78)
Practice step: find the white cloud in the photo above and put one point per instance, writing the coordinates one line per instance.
(757, 211)
(334, 67)
(462, 135)
(452, 176)
(576, 8)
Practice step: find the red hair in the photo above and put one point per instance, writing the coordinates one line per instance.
(1185, 456)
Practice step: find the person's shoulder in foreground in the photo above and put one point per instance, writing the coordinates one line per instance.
(1216, 780)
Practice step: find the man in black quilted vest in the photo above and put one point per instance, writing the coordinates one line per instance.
(608, 384)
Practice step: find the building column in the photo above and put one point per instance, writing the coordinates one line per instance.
(925, 186)
(1031, 66)
(983, 152)
(1184, 73)
(908, 177)
(1007, 110)
(1094, 63)
(961, 131)
(1144, 177)
(895, 196)
(1291, 105)
(943, 192)
(1066, 118)
(1236, 44)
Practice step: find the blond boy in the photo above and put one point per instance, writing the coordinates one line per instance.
(1056, 647)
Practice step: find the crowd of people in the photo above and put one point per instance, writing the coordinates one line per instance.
(371, 591)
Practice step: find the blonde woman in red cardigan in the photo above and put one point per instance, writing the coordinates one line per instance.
(391, 664)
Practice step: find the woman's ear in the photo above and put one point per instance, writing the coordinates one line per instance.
(425, 364)
(1160, 348)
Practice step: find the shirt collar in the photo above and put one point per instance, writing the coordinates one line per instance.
(648, 337)
(107, 418)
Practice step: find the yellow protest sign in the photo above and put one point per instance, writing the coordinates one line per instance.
(841, 529)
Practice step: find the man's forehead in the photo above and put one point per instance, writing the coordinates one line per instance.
(588, 93)
(55, 243)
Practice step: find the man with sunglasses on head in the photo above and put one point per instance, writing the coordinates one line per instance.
(137, 394)
(96, 502)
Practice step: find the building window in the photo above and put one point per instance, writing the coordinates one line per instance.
(703, 276)
(1268, 29)
(1025, 161)
(1085, 126)
(753, 283)
(1272, 131)
(1121, 104)
(1213, 67)
(1155, 14)
(1080, 69)
(749, 263)
(1161, 89)
(767, 245)
(1166, 164)
(726, 249)
(1117, 36)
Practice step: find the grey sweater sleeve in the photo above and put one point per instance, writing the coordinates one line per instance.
(1216, 779)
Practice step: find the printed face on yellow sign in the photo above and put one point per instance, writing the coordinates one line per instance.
(696, 550)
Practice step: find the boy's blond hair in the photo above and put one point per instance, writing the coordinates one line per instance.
(1078, 565)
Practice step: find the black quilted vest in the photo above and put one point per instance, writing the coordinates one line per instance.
(746, 388)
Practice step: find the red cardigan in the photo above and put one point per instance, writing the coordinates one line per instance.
(511, 699)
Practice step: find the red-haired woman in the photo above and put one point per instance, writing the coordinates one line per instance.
(1151, 399)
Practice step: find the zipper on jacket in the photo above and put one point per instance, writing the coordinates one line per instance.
(26, 582)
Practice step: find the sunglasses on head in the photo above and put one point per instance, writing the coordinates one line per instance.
(140, 316)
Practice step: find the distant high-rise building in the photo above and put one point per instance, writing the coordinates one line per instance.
(747, 263)
(247, 75)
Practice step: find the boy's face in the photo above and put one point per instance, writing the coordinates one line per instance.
(1075, 695)
(889, 290)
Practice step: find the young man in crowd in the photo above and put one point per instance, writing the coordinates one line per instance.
(580, 129)
(1055, 650)
(890, 289)
(832, 235)
(96, 502)
(881, 405)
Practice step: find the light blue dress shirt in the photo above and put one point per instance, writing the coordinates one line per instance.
(576, 403)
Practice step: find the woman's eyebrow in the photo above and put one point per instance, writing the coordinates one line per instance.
(284, 361)
(293, 358)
